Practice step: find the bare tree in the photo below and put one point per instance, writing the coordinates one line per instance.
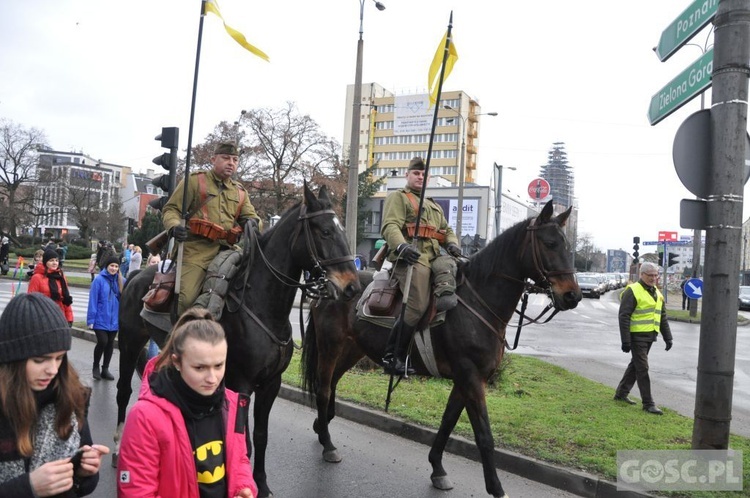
(279, 150)
(19, 148)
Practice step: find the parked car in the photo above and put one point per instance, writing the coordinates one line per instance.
(590, 285)
(744, 299)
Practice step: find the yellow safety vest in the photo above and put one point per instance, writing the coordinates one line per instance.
(646, 316)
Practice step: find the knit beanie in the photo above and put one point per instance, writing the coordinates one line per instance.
(108, 261)
(32, 325)
(49, 254)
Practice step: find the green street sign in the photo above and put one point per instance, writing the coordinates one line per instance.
(687, 24)
(689, 83)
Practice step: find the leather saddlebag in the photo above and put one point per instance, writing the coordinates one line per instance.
(160, 292)
(383, 300)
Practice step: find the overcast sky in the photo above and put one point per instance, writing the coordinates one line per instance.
(103, 77)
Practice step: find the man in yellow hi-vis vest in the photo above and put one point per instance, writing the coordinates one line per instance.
(642, 318)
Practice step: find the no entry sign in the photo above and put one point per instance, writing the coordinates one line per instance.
(539, 189)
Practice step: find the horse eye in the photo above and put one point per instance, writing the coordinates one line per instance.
(326, 233)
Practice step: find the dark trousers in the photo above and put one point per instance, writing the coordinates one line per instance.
(684, 301)
(637, 371)
(105, 343)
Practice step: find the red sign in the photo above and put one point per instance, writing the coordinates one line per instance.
(539, 189)
(667, 236)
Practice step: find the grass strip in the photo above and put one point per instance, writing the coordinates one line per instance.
(542, 411)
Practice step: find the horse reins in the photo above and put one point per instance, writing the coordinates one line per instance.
(544, 286)
(314, 287)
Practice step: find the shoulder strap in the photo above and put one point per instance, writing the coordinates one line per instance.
(413, 199)
(241, 192)
(203, 193)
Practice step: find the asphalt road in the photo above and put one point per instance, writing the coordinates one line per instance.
(375, 464)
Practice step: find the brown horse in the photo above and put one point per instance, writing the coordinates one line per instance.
(467, 347)
(308, 237)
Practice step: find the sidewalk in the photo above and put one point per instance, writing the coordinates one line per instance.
(572, 481)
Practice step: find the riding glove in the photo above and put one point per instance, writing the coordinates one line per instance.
(625, 347)
(179, 233)
(408, 253)
(669, 345)
(454, 250)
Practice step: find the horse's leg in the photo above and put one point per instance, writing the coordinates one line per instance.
(452, 412)
(473, 393)
(264, 399)
(328, 379)
(129, 347)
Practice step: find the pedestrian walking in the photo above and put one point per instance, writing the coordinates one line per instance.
(49, 279)
(102, 316)
(186, 434)
(642, 317)
(685, 299)
(92, 266)
(43, 424)
(136, 259)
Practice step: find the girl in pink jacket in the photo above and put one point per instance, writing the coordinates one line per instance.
(186, 434)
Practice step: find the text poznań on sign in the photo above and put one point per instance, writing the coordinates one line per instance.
(679, 470)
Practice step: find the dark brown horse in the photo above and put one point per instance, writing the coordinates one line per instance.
(308, 237)
(467, 347)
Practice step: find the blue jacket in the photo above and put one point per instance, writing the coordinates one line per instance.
(104, 302)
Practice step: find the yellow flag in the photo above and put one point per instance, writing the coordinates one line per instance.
(433, 78)
(212, 6)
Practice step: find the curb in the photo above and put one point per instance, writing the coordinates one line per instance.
(572, 481)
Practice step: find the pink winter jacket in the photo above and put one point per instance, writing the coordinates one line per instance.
(156, 459)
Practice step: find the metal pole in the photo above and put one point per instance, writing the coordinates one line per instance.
(499, 195)
(718, 331)
(352, 189)
(461, 173)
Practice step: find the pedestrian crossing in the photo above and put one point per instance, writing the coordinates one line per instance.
(80, 297)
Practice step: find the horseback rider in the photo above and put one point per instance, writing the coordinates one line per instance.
(215, 225)
(399, 216)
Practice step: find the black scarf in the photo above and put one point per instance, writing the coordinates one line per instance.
(54, 276)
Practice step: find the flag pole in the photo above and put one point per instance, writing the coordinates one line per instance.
(409, 271)
(186, 177)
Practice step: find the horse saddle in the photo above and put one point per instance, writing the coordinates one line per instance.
(382, 300)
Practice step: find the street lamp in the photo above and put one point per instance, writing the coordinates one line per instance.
(499, 195)
(462, 168)
(352, 189)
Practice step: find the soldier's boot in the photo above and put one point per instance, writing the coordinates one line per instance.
(394, 359)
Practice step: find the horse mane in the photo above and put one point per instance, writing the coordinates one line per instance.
(496, 256)
(319, 204)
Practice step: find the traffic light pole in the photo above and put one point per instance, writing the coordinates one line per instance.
(665, 265)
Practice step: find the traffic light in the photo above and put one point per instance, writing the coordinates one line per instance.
(131, 226)
(636, 241)
(169, 138)
(672, 259)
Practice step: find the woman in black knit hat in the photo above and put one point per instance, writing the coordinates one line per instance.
(42, 406)
(103, 314)
(50, 281)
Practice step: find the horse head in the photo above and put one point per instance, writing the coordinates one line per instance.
(551, 258)
(319, 244)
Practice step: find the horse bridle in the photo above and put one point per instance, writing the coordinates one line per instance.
(542, 285)
(316, 286)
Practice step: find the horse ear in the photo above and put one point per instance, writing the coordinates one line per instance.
(546, 214)
(309, 198)
(562, 218)
(323, 194)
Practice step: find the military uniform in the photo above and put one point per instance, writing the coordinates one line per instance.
(398, 211)
(199, 251)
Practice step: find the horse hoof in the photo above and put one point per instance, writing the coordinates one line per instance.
(442, 482)
(114, 460)
(332, 456)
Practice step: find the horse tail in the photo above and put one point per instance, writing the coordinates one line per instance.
(310, 359)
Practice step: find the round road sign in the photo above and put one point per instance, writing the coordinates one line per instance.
(539, 189)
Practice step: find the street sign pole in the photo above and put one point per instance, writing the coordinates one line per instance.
(718, 331)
